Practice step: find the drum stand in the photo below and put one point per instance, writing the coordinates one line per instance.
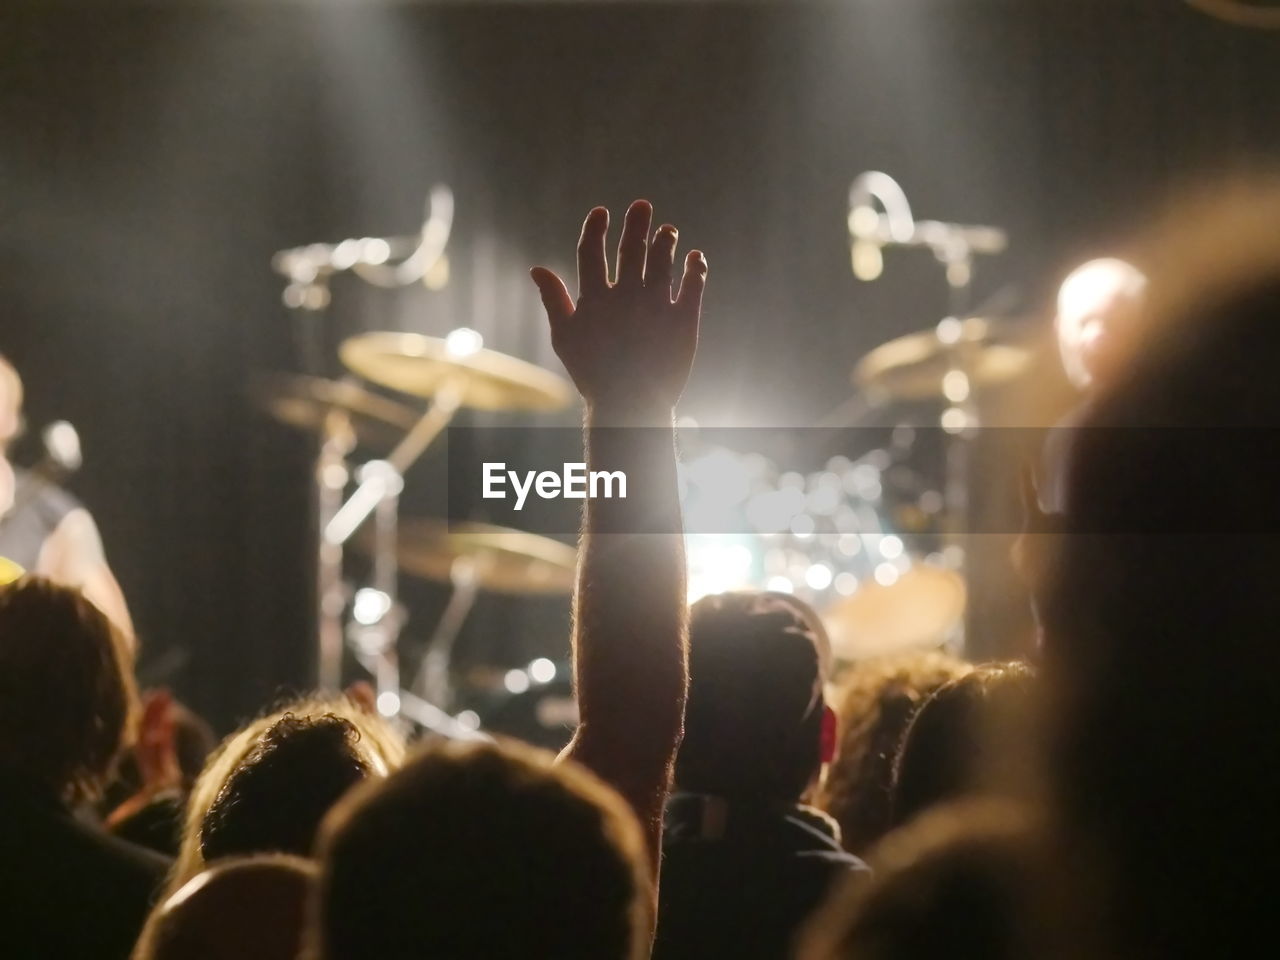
(954, 246)
(378, 616)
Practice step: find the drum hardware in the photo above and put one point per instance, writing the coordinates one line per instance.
(956, 358)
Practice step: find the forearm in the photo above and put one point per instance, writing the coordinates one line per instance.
(630, 616)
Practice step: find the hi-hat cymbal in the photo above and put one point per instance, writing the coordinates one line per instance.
(919, 608)
(915, 367)
(308, 403)
(419, 365)
(501, 559)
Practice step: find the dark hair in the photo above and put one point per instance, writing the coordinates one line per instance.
(876, 702)
(483, 851)
(958, 882)
(1160, 647)
(753, 722)
(277, 795)
(958, 740)
(67, 699)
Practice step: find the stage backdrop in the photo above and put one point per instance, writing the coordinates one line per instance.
(153, 157)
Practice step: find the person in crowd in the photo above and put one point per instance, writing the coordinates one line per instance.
(43, 528)
(239, 909)
(267, 788)
(484, 851)
(146, 800)
(959, 882)
(966, 737)
(557, 862)
(874, 706)
(67, 709)
(744, 863)
(1160, 608)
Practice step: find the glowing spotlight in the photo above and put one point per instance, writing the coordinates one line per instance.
(468, 720)
(542, 670)
(516, 681)
(370, 606)
(955, 386)
(388, 703)
(846, 583)
(886, 574)
(891, 547)
(818, 576)
(780, 585)
(463, 342)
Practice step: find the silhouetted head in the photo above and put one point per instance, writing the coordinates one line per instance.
(875, 704)
(249, 909)
(483, 852)
(268, 786)
(1098, 307)
(754, 722)
(67, 698)
(960, 882)
(1161, 606)
(962, 739)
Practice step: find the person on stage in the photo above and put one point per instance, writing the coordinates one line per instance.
(44, 529)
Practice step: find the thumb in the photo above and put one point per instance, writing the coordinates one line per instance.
(555, 295)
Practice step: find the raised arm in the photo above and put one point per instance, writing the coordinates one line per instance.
(628, 345)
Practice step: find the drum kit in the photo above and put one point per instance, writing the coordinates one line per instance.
(841, 544)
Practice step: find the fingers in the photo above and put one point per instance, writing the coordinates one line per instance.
(593, 269)
(555, 296)
(634, 244)
(662, 254)
(689, 300)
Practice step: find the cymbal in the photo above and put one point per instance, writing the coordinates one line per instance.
(307, 403)
(913, 367)
(919, 608)
(419, 365)
(503, 560)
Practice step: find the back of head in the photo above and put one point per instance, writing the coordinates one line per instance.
(754, 715)
(251, 909)
(959, 882)
(67, 700)
(483, 851)
(876, 702)
(960, 740)
(269, 785)
(1160, 651)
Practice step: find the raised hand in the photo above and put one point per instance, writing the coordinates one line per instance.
(628, 344)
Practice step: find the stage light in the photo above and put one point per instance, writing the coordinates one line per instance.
(891, 547)
(886, 574)
(370, 606)
(780, 585)
(846, 583)
(818, 576)
(516, 681)
(955, 386)
(463, 342)
(542, 670)
(468, 719)
(388, 703)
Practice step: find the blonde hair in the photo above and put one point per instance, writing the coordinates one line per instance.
(382, 748)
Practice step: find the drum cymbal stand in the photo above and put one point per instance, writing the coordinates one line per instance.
(955, 247)
(377, 615)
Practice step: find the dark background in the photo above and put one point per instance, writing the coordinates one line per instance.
(153, 157)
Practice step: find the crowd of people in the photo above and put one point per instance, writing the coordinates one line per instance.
(727, 794)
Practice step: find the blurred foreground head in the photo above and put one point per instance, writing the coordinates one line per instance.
(1161, 605)
(755, 716)
(269, 785)
(251, 909)
(875, 704)
(959, 882)
(1098, 306)
(969, 736)
(67, 698)
(483, 852)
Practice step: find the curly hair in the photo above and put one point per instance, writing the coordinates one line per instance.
(362, 740)
(874, 706)
(68, 704)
